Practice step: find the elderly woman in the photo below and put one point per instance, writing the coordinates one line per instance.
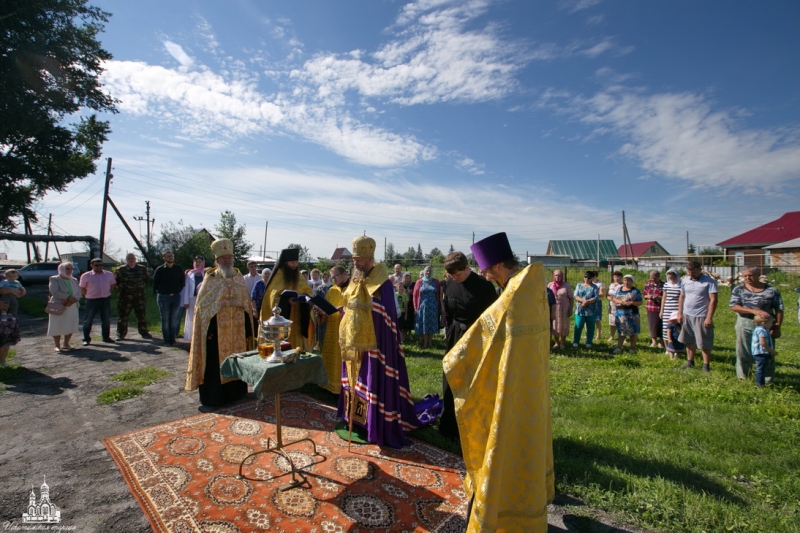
(671, 293)
(653, 292)
(754, 298)
(427, 304)
(586, 297)
(64, 288)
(613, 287)
(627, 302)
(257, 295)
(560, 315)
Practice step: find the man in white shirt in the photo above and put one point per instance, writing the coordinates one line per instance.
(252, 276)
(696, 306)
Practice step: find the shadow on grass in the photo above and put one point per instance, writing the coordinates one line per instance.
(26, 381)
(579, 463)
(583, 353)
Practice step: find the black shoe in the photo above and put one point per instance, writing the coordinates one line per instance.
(146, 336)
(85, 343)
(706, 368)
(118, 338)
(687, 364)
(205, 409)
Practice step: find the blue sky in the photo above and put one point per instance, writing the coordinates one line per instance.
(423, 122)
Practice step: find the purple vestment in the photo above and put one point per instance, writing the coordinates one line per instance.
(383, 380)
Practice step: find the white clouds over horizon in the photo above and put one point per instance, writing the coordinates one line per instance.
(679, 135)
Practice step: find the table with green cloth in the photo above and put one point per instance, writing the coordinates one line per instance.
(270, 379)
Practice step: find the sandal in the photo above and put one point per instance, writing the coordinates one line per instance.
(57, 349)
(66, 348)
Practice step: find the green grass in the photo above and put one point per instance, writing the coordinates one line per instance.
(667, 449)
(133, 383)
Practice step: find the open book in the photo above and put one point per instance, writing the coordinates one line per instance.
(317, 300)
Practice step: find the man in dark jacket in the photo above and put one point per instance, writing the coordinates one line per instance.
(168, 282)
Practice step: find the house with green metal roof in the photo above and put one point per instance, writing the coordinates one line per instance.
(588, 250)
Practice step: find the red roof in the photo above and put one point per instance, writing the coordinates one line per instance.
(341, 254)
(783, 229)
(635, 249)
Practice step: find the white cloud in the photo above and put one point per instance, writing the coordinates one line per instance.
(679, 135)
(432, 58)
(573, 6)
(471, 166)
(176, 51)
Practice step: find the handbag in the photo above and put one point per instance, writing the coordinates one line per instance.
(54, 308)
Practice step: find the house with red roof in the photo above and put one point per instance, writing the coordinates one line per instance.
(342, 255)
(640, 250)
(748, 248)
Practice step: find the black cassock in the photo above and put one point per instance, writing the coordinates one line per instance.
(464, 303)
(213, 392)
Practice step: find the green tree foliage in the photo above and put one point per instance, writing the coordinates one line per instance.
(390, 256)
(435, 252)
(451, 250)
(50, 65)
(185, 242)
(227, 229)
(418, 255)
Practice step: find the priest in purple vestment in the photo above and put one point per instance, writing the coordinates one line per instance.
(369, 336)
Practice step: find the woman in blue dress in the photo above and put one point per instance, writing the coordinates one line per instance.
(627, 301)
(427, 303)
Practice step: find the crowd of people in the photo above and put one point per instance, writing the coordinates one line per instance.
(680, 315)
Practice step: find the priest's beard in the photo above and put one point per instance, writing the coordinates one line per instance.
(226, 271)
(290, 275)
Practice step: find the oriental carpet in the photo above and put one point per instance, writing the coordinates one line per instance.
(184, 475)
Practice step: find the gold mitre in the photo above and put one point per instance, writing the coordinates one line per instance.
(222, 247)
(363, 247)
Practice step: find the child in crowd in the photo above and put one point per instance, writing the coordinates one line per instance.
(674, 346)
(13, 305)
(762, 346)
(402, 304)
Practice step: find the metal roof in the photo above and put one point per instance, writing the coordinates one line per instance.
(783, 229)
(579, 250)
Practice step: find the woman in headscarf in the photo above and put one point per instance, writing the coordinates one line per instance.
(64, 289)
(427, 304)
(563, 308)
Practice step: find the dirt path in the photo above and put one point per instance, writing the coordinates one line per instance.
(52, 426)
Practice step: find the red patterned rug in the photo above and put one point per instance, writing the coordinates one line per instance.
(185, 476)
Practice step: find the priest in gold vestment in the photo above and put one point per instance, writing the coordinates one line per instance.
(500, 377)
(331, 352)
(285, 276)
(221, 327)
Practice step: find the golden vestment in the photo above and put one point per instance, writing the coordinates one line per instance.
(500, 376)
(272, 297)
(331, 353)
(356, 330)
(224, 298)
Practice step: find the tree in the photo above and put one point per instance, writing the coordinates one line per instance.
(435, 252)
(418, 255)
(50, 66)
(451, 249)
(227, 229)
(390, 256)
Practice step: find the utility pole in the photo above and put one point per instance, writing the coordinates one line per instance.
(687, 243)
(105, 208)
(266, 227)
(147, 219)
(598, 250)
(473, 237)
(49, 232)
